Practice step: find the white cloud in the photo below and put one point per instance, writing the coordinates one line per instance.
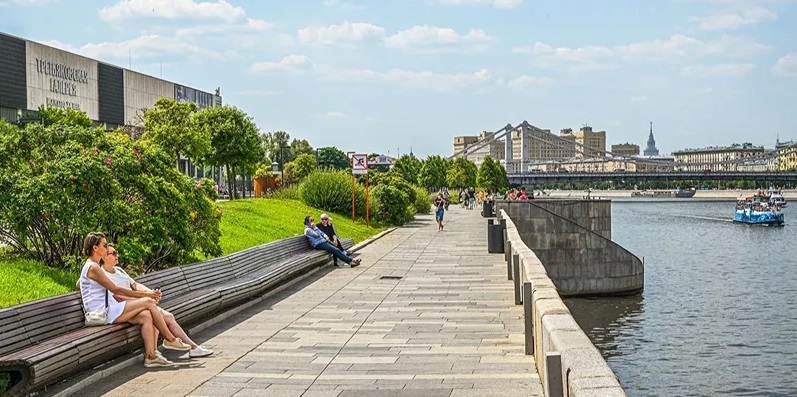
(677, 48)
(786, 65)
(423, 79)
(332, 115)
(345, 33)
(289, 64)
(172, 9)
(526, 81)
(735, 20)
(639, 98)
(251, 25)
(23, 2)
(143, 47)
(721, 70)
(341, 4)
(494, 3)
(433, 38)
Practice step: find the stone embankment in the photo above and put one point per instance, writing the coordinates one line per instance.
(789, 194)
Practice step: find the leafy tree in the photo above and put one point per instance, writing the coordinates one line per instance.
(288, 175)
(66, 116)
(433, 172)
(303, 166)
(68, 180)
(333, 158)
(168, 125)
(409, 167)
(272, 142)
(462, 174)
(300, 147)
(492, 176)
(235, 141)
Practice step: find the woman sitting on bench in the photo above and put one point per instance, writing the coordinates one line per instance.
(122, 279)
(95, 287)
(320, 241)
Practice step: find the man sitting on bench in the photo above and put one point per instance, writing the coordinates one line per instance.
(328, 228)
(319, 240)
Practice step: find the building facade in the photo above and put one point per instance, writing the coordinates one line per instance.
(588, 143)
(462, 142)
(787, 155)
(494, 149)
(730, 158)
(625, 149)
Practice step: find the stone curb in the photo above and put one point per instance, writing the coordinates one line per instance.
(74, 385)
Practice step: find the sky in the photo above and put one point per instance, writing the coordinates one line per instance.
(388, 76)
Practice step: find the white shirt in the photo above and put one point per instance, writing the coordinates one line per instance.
(120, 277)
(92, 293)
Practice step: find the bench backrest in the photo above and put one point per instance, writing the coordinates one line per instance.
(210, 272)
(33, 322)
(171, 282)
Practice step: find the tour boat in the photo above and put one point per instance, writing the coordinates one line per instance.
(777, 199)
(753, 211)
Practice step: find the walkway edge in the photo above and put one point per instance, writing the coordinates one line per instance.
(75, 385)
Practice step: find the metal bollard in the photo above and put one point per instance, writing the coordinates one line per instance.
(553, 375)
(516, 277)
(528, 317)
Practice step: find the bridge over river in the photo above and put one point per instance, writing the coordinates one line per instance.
(427, 314)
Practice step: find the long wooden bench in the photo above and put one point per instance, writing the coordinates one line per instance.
(45, 341)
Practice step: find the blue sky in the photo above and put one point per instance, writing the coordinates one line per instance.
(384, 76)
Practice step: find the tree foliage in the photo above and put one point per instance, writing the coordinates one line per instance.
(462, 174)
(300, 147)
(65, 116)
(332, 158)
(492, 176)
(169, 125)
(68, 180)
(234, 138)
(303, 166)
(433, 172)
(409, 167)
(272, 142)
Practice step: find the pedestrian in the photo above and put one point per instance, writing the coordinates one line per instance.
(440, 204)
(320, 241)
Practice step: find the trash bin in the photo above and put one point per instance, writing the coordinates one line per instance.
(487, 209)
(495, 236)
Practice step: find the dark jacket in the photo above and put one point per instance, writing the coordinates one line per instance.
(328, 230)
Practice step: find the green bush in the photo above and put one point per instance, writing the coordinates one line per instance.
(68, 180)
(5, 380)
(331, 191)
(286, 194)
(393, 206)
(423, 202)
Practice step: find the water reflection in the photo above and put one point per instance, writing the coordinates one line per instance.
(607, 320)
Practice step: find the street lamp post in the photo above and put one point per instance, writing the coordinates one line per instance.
(282, 166)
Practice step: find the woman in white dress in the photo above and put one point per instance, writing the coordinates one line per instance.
(95, 287)
(119, 277)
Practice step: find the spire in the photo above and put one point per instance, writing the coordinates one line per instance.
(651, 149)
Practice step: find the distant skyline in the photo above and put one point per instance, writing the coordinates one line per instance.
(387, 75)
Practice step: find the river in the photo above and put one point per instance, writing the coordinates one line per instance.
(718, 315)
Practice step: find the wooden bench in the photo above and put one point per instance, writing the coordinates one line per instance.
(45, 341)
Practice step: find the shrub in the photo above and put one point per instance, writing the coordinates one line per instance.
(331, 191)
(393, 206)
(423, 202)
(287, 193)
(69, 180)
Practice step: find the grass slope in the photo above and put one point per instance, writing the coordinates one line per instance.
(248, 223)
(23, 280)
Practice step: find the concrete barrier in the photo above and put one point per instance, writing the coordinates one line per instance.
(567, 362)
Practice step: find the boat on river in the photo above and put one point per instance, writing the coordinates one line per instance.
(677, 193)
(755, 211)
(777, 199)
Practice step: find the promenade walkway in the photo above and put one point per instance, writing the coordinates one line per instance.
(447, 327)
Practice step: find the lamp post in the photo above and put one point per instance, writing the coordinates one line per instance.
(282, 166)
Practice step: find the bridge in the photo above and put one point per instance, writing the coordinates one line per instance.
(536, 178)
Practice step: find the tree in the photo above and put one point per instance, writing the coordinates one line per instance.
(462, 174)
(272, 142)
(235, 141)
(492, 176)
(433, 173)
(409, 167)
(64, 116)
(303, 166)
(300, 147)
(333, 158)
(169, 126)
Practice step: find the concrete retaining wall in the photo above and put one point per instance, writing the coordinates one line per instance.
(567, 361)
(572, 238)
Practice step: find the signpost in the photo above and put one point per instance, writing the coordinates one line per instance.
(359, 166)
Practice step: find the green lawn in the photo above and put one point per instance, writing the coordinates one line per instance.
(23, 280)
(244, 224)
(248, 223)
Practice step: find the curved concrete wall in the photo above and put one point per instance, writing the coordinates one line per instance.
(552, 331)
(572, 238)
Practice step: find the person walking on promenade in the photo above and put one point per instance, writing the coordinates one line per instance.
(95, 288)
(440, 204)
(320, 241)
(447, 196)
(119, 277)
(471, 198)
(328, 228)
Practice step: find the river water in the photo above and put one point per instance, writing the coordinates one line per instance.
(718, 315)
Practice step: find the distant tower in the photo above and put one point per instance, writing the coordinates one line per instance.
(651, 149)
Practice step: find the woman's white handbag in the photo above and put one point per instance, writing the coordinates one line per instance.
(98, 317)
